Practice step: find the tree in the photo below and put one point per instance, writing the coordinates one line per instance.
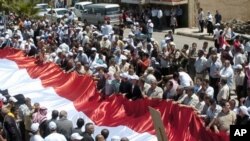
(25, 8)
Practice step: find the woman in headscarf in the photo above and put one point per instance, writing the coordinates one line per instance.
(243, 116)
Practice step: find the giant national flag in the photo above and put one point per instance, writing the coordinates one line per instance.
(54, 89)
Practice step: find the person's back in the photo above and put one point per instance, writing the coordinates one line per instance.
(55, 137)
(36, 138)
(64, 126)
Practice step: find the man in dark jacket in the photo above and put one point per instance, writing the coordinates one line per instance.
(10, 127)
(89, 130)
(64, 126)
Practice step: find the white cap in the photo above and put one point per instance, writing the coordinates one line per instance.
(53, 54)
(52, 125)
(76, 136)
(167, 38)
(80, 48)
(123, 57)
(244, 110)
(172, 44)
(34, 127)
(151, 25)
(93, 49)
(218, 24)
(149, 21)
(84, 32)
(70, 54)
(124, 75)
(134, 77)
(131, 34)
(105, 36)
(13, 99)
(115, 138)
(2, 98)
(136, 23)
(238, 66)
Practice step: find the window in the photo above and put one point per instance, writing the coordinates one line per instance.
(113, 11)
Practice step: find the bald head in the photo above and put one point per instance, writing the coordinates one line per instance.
(99, 137)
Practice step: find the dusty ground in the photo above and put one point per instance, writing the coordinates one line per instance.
(239, 9)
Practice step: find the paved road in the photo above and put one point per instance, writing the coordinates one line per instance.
(179, 40)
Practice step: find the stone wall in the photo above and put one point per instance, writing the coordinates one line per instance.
(230, 9)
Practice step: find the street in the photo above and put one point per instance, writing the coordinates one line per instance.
(179, 40)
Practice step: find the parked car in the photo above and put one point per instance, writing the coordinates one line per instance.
(43, 6)
(42, 12)
(56, 14)
(79, 8)
(98, 13)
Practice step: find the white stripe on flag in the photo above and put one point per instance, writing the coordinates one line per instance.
(18, 81)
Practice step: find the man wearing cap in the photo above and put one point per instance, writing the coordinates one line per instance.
(150, 27)
(105, 44)
(239, 81)
(54, 136)
(85, 38)
(76, 137)
(12, 132)
(81, 56)
(11, 106)
(124, 65)
(35, 133)
(125, 85)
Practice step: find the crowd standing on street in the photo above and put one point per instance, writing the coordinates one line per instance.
(212, 79)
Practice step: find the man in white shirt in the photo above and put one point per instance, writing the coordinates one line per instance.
(223, 94)
(191, 99)
(208, 90)
(159, 18)
(247, 49)
(227, 73)
(214, 73)
(201, 18)
(239, 81)
(200, 64)
(239, 57)
(54, 136)
(185, 79)
(35, 133)
(155, 91)
(106, 28)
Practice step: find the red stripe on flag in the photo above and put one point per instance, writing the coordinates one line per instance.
(181, 123)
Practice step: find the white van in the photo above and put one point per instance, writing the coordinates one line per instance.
(79, 7)
(98, 13)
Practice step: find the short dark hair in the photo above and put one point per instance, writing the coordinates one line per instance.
(80, 122)
(124, 139)
(54, 114)
(212, 101)
(105, 133)
(223, 103)
(87, 125)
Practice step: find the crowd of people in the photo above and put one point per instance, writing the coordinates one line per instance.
(206, 78)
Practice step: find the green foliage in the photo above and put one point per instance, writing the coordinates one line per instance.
(21, 7)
